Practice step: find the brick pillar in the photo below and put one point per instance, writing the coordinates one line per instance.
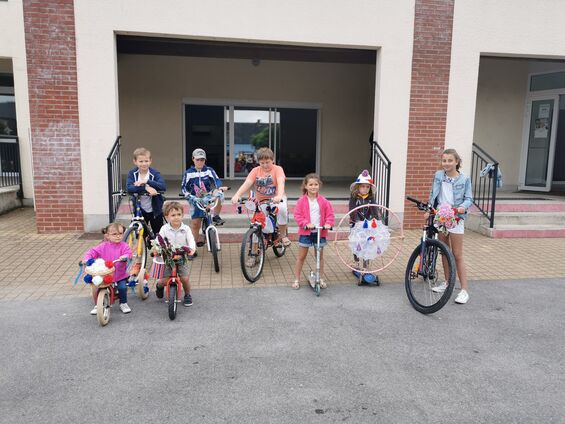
(53, 101)
(431, 61)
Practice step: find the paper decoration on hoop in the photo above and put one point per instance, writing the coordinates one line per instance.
(369, 239)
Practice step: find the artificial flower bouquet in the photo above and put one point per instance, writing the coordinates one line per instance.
(161, 246)
(445, 218)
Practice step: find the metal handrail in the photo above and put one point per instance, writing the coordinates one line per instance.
(10, 165)
(484, 188)
(380, 171)
(114, 179)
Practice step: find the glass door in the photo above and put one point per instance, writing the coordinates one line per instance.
(539, 144)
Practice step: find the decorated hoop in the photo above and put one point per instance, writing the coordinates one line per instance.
(377, 241)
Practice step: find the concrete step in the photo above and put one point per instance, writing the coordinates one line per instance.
(502, 206)
(529, 218)
(527, 231)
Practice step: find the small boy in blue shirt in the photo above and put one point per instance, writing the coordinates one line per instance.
(197, 179)
(144, 179)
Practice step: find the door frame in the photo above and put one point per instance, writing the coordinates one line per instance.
(550, 95)
(233, 103)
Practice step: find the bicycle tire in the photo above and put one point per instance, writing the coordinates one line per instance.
(279, 249)
(142, 287)
(138, 252)
(419, 281)
(212, 243)
(172, 301)
(103, 307)
(253, 241)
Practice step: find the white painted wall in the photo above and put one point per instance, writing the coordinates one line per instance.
(12, 48)
(338, 23)
(152, 89)
(514, 28)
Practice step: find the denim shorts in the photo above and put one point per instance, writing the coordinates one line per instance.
(311, 240)
(196, 212)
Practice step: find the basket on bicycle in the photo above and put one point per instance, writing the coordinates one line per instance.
(99, 272)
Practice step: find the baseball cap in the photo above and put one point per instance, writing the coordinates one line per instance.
(199, 154)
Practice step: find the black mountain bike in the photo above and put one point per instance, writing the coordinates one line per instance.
(430, 273)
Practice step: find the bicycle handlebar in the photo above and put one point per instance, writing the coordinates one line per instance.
(312, 230)
(426, 207)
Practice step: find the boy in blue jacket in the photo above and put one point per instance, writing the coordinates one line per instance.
(144, 179)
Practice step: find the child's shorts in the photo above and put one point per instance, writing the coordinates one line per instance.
(311, 240)
(196, 212)
(182, 270)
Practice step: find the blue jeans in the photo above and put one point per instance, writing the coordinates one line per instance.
(123, 290)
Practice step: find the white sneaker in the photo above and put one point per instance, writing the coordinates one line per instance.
(94, 311)
(440, 288)
(462, 297)
(124, 307)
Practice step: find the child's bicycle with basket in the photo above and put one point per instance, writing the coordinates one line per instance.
(426, 271)
(138, 236)
(206, 204)
(263, 233)
(105, 292)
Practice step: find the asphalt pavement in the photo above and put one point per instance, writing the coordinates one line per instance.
(275, 355)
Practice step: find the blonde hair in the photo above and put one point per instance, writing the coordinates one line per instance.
(169, 206)
(307, 178)
(141, 151)
(113, 225)
(455, 155)
(264, 153)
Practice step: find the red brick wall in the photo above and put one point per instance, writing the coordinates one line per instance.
(428, 100)
(52, 79)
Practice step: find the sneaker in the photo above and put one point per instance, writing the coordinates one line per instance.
(440, 288)
(124, 307)
(462, 297)
(218, 220)
(200, 244)
(187, 300)
(159, 292)
(94, 311)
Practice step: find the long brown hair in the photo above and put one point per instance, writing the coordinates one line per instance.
(307, 178)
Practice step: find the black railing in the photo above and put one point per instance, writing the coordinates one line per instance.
(114, 179)
(380, 171)
(484, 173)
(10, 167)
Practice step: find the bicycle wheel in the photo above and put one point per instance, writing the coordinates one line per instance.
(252, 256)
(103, 307)
(212, 243)
(172, 301)
(279, 249)
(134, 238)
(426, 272)
(142, 286)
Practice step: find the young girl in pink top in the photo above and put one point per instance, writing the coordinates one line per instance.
(110, 249)
(312, 210)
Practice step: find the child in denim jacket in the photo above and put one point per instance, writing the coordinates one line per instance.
(452, 186)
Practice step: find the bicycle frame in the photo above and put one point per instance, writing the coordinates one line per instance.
(173, 279)
(259, 220)
(207, 221)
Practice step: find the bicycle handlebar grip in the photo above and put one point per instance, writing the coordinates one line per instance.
(412, 199)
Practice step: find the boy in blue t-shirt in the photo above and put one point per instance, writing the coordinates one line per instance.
(144, 179)
(197, 179)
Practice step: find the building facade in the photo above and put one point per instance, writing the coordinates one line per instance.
(310, 79)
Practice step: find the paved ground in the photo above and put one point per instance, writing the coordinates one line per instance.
(274, 355)
(35, 266)
(266, 353)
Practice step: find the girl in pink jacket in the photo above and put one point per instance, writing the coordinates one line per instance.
(312, 210)
(110, 249)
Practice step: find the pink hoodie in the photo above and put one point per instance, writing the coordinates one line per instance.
(110, 252)
(302, 214)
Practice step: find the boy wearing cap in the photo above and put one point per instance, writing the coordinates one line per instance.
(197, 179)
